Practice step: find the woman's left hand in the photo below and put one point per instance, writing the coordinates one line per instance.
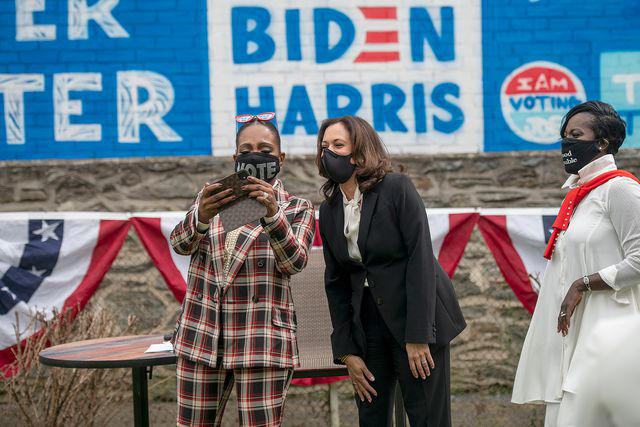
(420, 359)
(571, 301)
(264, 193)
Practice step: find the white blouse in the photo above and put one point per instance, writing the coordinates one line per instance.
(604, 237)
(352, 223)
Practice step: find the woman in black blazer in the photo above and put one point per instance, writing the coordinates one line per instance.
(393, 308)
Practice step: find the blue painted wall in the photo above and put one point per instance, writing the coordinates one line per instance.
(572, 34)
(166, 37)
(436, 85)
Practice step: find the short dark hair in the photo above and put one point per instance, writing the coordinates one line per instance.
(606, 123)
(267, 124)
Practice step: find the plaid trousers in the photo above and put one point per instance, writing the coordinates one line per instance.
(203, 392)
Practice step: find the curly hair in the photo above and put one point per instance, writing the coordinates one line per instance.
(606, 123)
(369, 154)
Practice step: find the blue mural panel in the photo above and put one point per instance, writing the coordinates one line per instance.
(95, 79)
(542, 57)
(620, 86)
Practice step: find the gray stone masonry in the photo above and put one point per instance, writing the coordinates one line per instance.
(484, 357)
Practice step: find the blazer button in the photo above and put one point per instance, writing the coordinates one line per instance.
(261, 263)
(379, 301)
(199, 296)
(371, 284)
(203, 256)
(254, 299)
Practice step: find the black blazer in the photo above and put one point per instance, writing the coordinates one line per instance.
(414, 295)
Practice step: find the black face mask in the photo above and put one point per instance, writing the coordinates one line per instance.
(339, 168)
(263, 166)
(577, 153)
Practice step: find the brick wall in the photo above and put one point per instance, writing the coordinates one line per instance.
(136, 78)
(112, 79)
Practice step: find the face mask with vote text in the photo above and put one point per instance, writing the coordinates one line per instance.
(263, 166)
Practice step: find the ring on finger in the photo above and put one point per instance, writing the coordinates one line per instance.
(265, 194)
(562, 314)
(424, 361)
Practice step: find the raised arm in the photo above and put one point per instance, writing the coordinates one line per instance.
(184, 238)
(290, 241)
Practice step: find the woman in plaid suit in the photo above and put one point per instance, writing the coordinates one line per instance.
(238, 322)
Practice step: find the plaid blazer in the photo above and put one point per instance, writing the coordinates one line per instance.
(252, 308)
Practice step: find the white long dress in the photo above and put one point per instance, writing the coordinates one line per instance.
(604, 237)
(608, 389)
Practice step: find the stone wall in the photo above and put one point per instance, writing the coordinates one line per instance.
(483, 357)
(522, 179)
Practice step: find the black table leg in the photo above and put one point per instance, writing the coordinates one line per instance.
(140, 398)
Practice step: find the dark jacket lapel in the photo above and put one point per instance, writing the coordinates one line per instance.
(369, 200)
(337, 212)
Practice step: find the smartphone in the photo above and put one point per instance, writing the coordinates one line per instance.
(243, 209)
(234, 181)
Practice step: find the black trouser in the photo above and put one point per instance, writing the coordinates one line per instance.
(427, 402)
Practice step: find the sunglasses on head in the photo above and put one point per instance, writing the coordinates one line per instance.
(263, 117)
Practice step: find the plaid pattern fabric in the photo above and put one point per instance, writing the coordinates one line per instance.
(203, 393)
(250, 307)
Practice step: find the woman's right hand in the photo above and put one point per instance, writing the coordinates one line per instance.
(210, 204)
(360, 377)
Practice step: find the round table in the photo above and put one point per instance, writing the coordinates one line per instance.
(115, 352)
(129, 352)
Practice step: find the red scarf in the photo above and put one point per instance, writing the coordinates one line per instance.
(571, 201)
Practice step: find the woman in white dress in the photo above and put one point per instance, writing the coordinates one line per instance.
(594, 262)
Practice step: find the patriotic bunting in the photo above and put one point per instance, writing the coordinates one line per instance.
(51, 262)
(54, 261)
(517, 239)
(154, 232)
(450, 232)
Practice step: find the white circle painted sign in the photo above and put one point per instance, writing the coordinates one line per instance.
(535, 97)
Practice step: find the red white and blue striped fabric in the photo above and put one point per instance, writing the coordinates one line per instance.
(517, 239)
(154, 229)
(56, 260)
(450, 232)
(51, 261)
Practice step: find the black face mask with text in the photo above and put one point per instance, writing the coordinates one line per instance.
(577, 153)
(263, 166)
(339, 168)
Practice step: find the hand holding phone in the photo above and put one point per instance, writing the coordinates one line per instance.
(262, 192)
(232, 201)
(214, 197)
